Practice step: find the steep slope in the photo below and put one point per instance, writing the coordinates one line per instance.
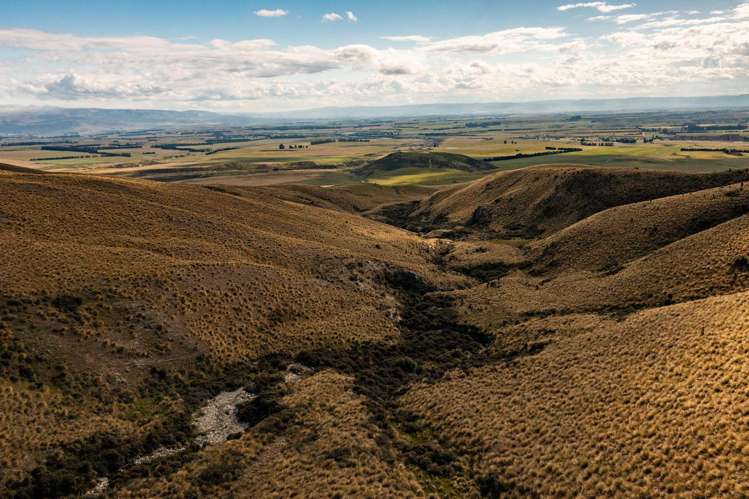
(125, 303)
(652, 405)
(539, 201)
(4, 167)
(149, 241)
(708, 263)
(608, 239)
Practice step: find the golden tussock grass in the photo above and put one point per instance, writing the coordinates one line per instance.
(653, 405)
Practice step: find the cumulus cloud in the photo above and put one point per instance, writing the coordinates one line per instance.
(599, 6)
(356, 54)
(271, 13)
(662, 53)
(332, 17)
(41, 40)
(351, 16)
(72, 87)
(407, 38)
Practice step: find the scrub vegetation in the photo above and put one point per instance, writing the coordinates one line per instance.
(552, 330)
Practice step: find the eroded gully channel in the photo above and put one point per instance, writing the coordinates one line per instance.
(432, 342)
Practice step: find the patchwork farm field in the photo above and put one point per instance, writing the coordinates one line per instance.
(330, 155)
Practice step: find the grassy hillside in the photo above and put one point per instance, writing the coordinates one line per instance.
(125, 303)
(16, 169)
(432, 161)
(621, 338)
(651, 405)
(611, 238)
(535, 201)
(558, 331)
(355, 198)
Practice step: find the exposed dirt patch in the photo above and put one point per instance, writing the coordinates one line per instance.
(217, 419)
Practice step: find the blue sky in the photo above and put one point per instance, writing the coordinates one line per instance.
(235, 19)
(223, 55)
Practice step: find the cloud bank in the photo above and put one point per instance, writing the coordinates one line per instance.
(640, 53)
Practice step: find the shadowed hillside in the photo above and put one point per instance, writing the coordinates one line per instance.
(538, 201)
(610, 238)
(16, 169)
(434, 160)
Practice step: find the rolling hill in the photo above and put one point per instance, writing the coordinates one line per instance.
(16, 169)
(420, 160)
(609, 239)
(141, 296)
(556, 331)
(541, 200)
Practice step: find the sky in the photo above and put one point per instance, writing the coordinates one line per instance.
(248, 56)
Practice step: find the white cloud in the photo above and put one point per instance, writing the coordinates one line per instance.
(271, 13)
(664, 53)
(357, 55)
(502, 42)
(407, 38)
(599, 18)
(599, 6)
(243, 45)
(73, 87)
(332, 17)
(742, 11)
(629, 18)
(351, 16)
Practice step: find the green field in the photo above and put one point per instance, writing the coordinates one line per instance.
(684, 164)
(339, 149)
(424, 176)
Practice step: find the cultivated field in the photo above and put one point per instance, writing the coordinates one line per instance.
(292, 153)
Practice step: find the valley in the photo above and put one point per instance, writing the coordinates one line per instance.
(506, 336)
(303, 249)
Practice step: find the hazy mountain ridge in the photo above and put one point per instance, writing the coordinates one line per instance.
(544, 106)
(58, 121)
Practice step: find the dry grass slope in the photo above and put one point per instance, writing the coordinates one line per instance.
(587, 336)
(609, 239)
(653, 405)
(113, 279)
(542, 200)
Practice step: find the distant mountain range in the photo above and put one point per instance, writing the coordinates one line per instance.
(59, 121)
(635, 104)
